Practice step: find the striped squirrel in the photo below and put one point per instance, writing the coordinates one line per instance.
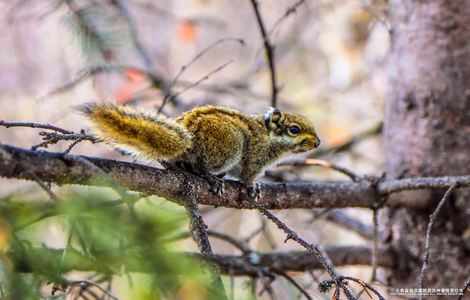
(207, 140)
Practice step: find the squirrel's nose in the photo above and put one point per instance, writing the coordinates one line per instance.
(317, 142)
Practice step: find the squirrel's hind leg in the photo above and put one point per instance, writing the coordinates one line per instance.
(216, 181)
(253, 190)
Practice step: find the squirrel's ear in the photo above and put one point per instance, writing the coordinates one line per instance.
(272, 118)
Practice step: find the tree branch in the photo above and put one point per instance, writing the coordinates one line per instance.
(269, 52)
(199, 234)
(349, 223)
(175, 185)
(432, 219)
(347, 145)
(315, 250)
(255, 264)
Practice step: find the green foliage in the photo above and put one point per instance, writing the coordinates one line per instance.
(100, 237)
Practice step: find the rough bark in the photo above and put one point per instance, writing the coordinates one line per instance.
(427, 133)
(175, 185)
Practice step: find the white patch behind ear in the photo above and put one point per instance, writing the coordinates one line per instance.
(269, 112)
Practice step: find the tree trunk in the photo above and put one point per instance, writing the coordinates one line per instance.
(427, 133)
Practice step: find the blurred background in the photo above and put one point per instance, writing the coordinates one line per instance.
(330, 58)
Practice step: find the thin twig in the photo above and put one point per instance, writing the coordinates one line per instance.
(252, 235)
(155, 79)
(266, 285)
(51, 138)
(85, 284)
(34, 125)
(82, 75)
(365, 286)
(373, 131)
(43, 185)
(66, 248)
(294, 283)
(196, 83)
(321, 163)
(240, 245)
(269, 52)
(326, 285)
(167, 96)
(199, 234)
(375, 247)
(349, 223)
(312, 249)
(73, 144)
(466, 286)
(432, 219)
(290, 10)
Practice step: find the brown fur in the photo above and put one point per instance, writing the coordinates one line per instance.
(209, 139)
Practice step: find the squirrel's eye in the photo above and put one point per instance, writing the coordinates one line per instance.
(294, 129)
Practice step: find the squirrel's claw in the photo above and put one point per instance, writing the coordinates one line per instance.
(217, 184)
(254, 190)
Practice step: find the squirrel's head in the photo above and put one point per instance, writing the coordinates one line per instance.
(293, 131)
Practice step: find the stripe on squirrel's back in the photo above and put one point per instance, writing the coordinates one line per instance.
(149, 136)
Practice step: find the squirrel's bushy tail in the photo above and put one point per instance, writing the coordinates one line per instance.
(147, 136)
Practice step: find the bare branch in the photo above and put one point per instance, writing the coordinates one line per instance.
(367, 287)
(240, 245)
(155, 79)
(321, 163)
(432, 219)
(34, 125)
(199, 234)
(294, 283)
(466, 286)
(293, 261)
(290, 10)
(375, 247)
(350, 223)
(315, 250)
(269, 52)
(44, 186)
(196, 83)
(167, 96)
(51, 138)
(84, 286)
(54, 167)
(445, 182)
(375, 130)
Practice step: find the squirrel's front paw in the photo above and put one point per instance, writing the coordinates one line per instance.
(253, 190)
(217, 184)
